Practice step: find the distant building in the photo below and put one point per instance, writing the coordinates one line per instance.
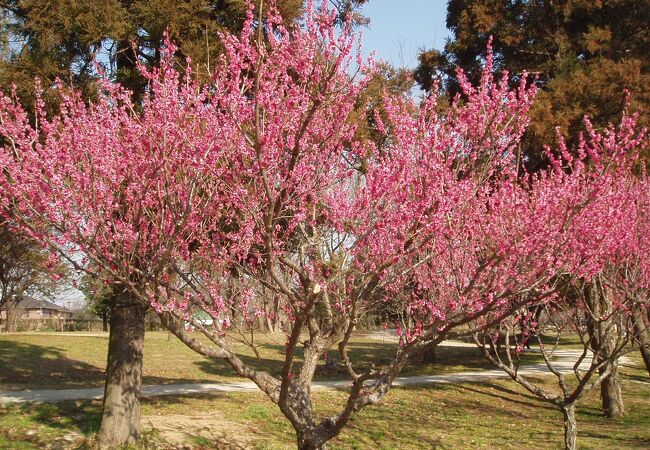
(32, 308)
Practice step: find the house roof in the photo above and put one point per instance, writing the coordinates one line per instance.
(33, 303)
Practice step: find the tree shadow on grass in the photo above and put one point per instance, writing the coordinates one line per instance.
(62, 425)
(363, 356)
(511, 395)
(271, 365)
(613, 440)
(33, 366)
(634, 377)
(587, 415)
(79, 416)
(41, 366)
(22, 363)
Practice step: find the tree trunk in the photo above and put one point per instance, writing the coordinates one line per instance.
(105, 321)
(10, 324)
(643, 336)
(311, 441)
(603, 334)
(570, 427)
(14, 314)
(429, 355)
(610, 391)
(121, 410)
(276, 313)
(270, 325)
(308, 445)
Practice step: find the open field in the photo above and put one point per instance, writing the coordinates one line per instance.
(62, 361)
(491, 415)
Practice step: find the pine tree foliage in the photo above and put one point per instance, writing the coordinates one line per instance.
(64, 39)
(585, 52)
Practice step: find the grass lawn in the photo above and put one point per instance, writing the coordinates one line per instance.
(61, 360)
(492, 415)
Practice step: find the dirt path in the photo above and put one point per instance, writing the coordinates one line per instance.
(564, 361)
(178, 430)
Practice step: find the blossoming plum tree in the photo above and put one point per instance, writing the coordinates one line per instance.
(256, 182)
(105, 188)
(596, 301)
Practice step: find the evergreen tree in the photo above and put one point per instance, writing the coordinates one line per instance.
(62, 39)
(585, 53)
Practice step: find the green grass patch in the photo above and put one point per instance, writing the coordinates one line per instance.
(494, 414)
(60, 360)
(256, 412)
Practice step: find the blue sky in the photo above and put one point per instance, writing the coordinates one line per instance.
(400, 28)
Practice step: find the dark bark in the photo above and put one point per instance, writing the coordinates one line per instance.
(610, 391)
(310, 443)
(610, 388)
(121, 409)
(12, 317)
(570, 427)
(603, 334)
(429, 355)
(310, 436)
(105, 321)
(642, 333)
(307, 439)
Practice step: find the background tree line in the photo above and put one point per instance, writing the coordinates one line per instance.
(584, 53)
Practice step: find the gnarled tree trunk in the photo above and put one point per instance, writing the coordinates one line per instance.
(642, 331)
(12, 316)
(429, 355)
(310, 442)
(121, 410)
(610, 392)
(570, 427)
(603, 334)
(105, 321)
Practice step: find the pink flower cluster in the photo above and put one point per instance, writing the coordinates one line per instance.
(260, 172)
